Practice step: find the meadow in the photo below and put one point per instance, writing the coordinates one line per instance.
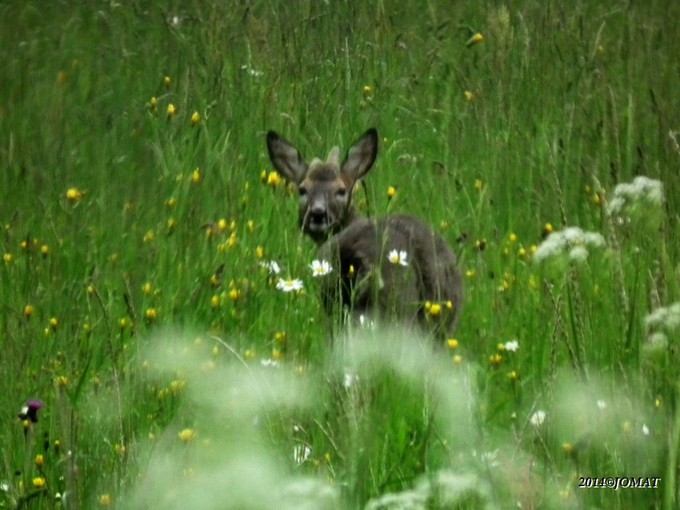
(141, 323)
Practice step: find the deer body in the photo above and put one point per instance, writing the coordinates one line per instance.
(373, 278)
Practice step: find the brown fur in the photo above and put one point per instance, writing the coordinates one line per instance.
(358, 248)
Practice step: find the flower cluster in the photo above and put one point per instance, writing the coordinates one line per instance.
(642, 191)
(572, 242)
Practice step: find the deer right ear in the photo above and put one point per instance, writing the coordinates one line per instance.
(361, 155)
(286, 158)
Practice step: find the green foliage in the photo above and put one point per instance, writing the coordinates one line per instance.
(138, 196)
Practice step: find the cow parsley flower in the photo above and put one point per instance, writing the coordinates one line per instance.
(642, 190)
(571, 242)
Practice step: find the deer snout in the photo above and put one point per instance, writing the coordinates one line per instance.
(317, 214)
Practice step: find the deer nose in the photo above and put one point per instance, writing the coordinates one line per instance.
(317, 214)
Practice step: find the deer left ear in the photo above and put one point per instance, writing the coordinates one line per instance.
(361, 155)
(286, 158)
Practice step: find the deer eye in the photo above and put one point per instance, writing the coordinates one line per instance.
(302, 192)
(341, 193)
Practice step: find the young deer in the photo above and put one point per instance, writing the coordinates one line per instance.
(392, 266)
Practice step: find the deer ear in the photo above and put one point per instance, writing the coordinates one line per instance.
(361, 155)
(286, 158)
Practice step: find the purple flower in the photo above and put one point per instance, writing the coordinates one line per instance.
(30, 410)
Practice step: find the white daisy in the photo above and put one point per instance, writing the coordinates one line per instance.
(272, 266)
(398, 257)
(289, 285)
(512, 345)
(601, 404)
(537, 418)
(645, 429)
(320, 267)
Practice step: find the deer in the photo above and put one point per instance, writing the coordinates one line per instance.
(393, 267)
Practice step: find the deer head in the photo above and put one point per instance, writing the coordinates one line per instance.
(324, 187)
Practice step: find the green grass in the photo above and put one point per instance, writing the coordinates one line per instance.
(148, 316)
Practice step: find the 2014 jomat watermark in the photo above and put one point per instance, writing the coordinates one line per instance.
(619, 482)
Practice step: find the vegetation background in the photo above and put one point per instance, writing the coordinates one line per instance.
(139, 206)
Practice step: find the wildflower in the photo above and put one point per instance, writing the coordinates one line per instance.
(39, 460)
(479, 184)
(149, 236)
(73, 194)
(469, 96)
(30, 410)
(367, 90)
(196, 176)
(391, 191)
(187, 435)
(272, 266)
(602, 405)
(480, 244)
(289, 285)
(642, 191)
(470, 273)
(147, 288)
(105, 500)
(457, 359)
(123, 322)
(665, 317)
(259, 252)
(452, 343)
(496, 359)
(45, 250)
(195, 118)
(171, 111)
(54, 323)
(476, 38)
(280, 337)
(215, 301)
(537, 418)
(39, 483)
(62, 381)
(567, 448)
(547, 230)
(29, 310)
(320, 267)
(151, 314)
(167, 81)
(435, 309)
(645, 429)
(153, 103)
(301, 453)
(7, 258)
(273, 179)
(398, 257)
(512, 346)
(513, 375)
(571, 242)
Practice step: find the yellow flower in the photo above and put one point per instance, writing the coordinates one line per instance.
(167, 81)
(151, 314)
(469, 96)
(234, 294)
(171, 202)
(195, 118)
(452, 343)
(8, 257)
(187, 435)
(105, 500)
(39, 460)
(567, 448)
(54, 323)
(73, 194)
(477, 38)
(496, 359)
(149, 236)
(215, 301)
(62, 381)
(196, 176)
(280, 337)
(479, 184)
(123, 323)
(435, 309)
(39, 483)
(171, 111)
(457, 359)
(391, 191)
(222, 225)
(147, 288)
(547, 229)
(273, 179)
(45, 250)
(513, 375)
(368, 90)
(153, 103)
(29, 310)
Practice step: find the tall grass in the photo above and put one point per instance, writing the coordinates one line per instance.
(131, 228)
